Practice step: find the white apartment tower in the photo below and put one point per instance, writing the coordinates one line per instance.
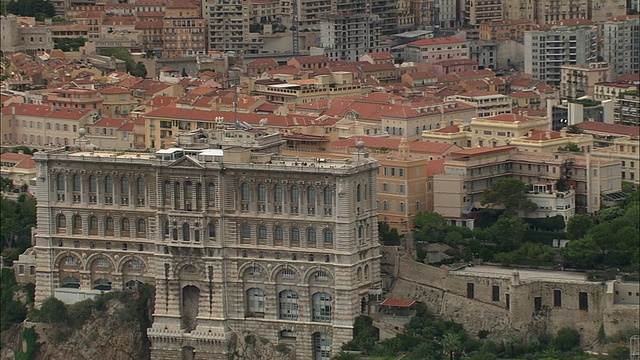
(545, 51)
(621, 46)
(236, 242)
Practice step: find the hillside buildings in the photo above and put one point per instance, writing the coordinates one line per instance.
(236, 242)
(21, 35)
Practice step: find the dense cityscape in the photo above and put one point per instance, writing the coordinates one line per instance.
(323, 179)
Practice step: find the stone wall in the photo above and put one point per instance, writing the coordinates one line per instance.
(504, 303)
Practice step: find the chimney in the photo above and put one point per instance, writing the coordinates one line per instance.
(547, 135)
(563, 132)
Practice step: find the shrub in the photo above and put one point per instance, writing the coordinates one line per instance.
(53, 311)
(566, 339)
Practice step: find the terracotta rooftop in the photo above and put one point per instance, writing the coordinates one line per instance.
(437, 41)
(21, 161)
(397, 303)
(624, 130)
(481, 151)
(522, 94)
(382, 55)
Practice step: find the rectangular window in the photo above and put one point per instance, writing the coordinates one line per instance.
(393, 171)
(506, 300)
(557, 298)
(537, 303)
(583, 301)
(470, 290)
(401, 189)
(401, 172)
(495, 293)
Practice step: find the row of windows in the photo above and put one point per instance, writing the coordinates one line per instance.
(47, 125)
(583, 297)
(294, 194)
(108, 222)
(294, 233)
(92, 183)
(321, 308)
(401, 207)
(401, 188)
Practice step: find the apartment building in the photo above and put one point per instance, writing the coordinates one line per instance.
(283, 247)
(626, 108)
(611, 90)
(546, 51)
(311, 13)
(117, 102)
(228, 26)
(42, 126)
(626, 149)
(335, 85)
(349, 35)
(183, 29)
(579, 81)
(621, 45)
(486, 103)
(467, 173)
(436, 49)
(74, 98)
(479, 11)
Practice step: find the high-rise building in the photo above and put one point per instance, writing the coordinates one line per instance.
(621, 45)
(478, 11)
(237, 242)
(546, 51)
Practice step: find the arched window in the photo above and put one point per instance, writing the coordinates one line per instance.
(61, 222)
(359, 274)
(311, 235)
(140, 186)
(188, 190)
(186, 232)
(278, 233)
(288, 305)
(295, 234)
(360, 232)
(124, 185)
(93, 184)
(211, 230)
(321, 307)
(366, 272)
(328, 236)
(141, 228)
(125, 227)
(245, 194)
(417, 206)
(77, 182)
(328, 196)
(167, 190)
(60, 182)
(108, 226)
(76, 223)
(255, 302)
(311, 195)
(277, 193)
(401, 207)
(93, 225)
(358, 193)
(385, 205)
(196, 235)
(246, 231)
(294, 194)
(262, 192)
(108, 185)
(322, 346)
(166, 228)
(262, 232)
(211, 192)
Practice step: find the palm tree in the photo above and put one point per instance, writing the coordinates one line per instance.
(511, 339)
(452, 344)
(343, 355)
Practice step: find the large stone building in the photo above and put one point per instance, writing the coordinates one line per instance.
(24, 35)
(235, 242)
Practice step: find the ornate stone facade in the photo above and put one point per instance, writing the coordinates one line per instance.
(234, 242)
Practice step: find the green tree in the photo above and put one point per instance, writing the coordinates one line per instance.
(33, 8)
(511, 343)
(508, 232)
(342, 355)
(566, 339)
(452, 344)
(572, 147)
(388, 236)
(578, 226)
(430, 226)
(601, 235)
(632, 214)
(581, 253)
(510, 193)
(53, 311)
(610, 213)
(454, 239)
(574, 129)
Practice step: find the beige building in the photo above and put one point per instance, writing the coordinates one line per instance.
(627, 150)
(579, 81)
(467, 173)
(277, 247)
(479, 11)
(335, 85)
(42, 126)
(486, 103)
(20, 168)
(117, 102)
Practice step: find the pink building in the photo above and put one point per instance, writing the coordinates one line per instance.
(436, 49)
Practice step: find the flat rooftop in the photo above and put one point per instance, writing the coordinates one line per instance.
(525, 274)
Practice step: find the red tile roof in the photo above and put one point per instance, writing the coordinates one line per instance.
(263, 62)
(437, 41)
(539, 135)
(108, 122)
(113, 90)
(449, 129)
(523, 94)
(45, 111)
(481, 151)
(625, 130)
(382, 55)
